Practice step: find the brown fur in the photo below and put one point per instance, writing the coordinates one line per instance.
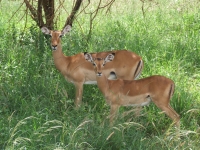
(158, 89)
(79, 71)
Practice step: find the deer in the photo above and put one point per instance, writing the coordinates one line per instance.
(158, 89)
(77, 70)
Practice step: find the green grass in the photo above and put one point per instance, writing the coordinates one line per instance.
(37, 104)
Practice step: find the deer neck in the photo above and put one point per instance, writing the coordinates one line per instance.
(102, 83)
(60, 60)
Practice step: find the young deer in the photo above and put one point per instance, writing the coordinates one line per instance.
(75, 69)
(119, 92)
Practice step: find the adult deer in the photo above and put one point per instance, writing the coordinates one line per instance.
(158, 89)
(75, 69)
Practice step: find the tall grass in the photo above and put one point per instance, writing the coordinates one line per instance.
(37, 104)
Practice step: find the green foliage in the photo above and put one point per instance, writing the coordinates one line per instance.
(37, 104)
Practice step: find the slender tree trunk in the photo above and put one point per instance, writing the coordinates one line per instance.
(48, 6)
(40, 21)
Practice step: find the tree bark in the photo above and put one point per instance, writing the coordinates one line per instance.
(39, 14)
(48, 6)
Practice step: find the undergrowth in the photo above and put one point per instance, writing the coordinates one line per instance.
(37, 104)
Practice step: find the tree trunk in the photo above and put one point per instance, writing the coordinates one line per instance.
(48, 6)
(49, 12)
(40, 21)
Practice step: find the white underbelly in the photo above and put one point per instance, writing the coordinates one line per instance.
(86, 82)
(139, 100)
(90, 82)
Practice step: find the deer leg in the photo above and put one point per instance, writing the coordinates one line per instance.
(172, 114)
(79, 93)
(176, 116)
(113, 112)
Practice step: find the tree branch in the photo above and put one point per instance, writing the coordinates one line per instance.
(16, 12)
(71, 17)
(32, 10)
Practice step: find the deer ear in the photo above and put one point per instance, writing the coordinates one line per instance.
(67, 29)
(45, 30)
(88, 57)
(110, 57)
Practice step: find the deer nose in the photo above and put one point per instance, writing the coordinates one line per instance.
(99, 74)
(54, 47)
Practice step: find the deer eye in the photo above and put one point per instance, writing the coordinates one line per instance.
(60, 35)
(94, 64)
